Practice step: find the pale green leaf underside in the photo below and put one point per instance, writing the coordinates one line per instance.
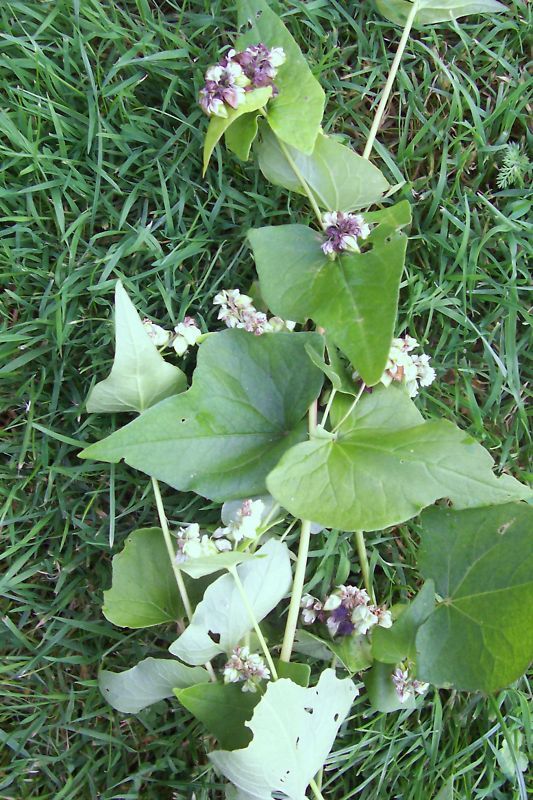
(143, 590)
(353, 297)
(149, 681)
(480, 637)
(386, 465)
(140, 377)
(207, 565)
(293, 731)
(222, 612)
(218, 126)
(339, 179)
(221, 438)
(296, 113)
(434, 11)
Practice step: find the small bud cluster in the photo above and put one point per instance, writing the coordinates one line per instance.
(245, 525)
(186, 334)
(342, 232)
(247, 667)
(413, 370)
(238, 311)
(345, 611)
(227, 82)
(406, 686)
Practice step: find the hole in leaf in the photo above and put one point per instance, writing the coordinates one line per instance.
(215, 637)
(335, 717)
(367, 247)
(309, 710)
(505, 527)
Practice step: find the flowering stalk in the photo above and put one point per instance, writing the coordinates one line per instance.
(253, 620)
(297, 591)
(390, 80)
(171, 554)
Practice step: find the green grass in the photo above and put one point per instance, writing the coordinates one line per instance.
(100, 143)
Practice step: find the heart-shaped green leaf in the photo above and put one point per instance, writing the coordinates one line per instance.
(385, 465)
(221, 438)
(143, 590)
(480, 636)
(139, 377)
(296, 112)
(354, 297)
(339, 179)
(149, 681)
(223, 709)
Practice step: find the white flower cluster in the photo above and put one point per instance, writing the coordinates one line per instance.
(342, 232)
(345, 611)
(186, 334)
(406, 686)
(227, 82)
(192, 544)
(238, 311)
(245, 525)
(247, 667)
(413, 370)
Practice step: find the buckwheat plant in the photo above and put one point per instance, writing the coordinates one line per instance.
(303, 420)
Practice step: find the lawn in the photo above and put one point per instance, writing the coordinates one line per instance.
(100, 157)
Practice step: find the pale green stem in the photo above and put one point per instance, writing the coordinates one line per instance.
(365, 566)
(297, 591)
(325, 415)
(172, 555)
(253, 620)
(312, 416)
(316, 791)
(353, 405)
(170, 549)
(390, 81)
(305, 185)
